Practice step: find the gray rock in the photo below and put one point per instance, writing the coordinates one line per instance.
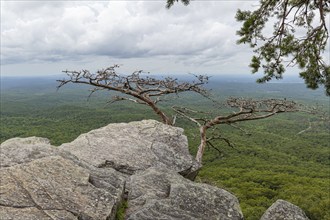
(80, 180)
(32, 213)
(22, 150)
(283, 210)
(159, 193)
(56, 188)
(130, 147)
(40, 181)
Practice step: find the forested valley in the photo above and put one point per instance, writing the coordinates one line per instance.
(283, 157)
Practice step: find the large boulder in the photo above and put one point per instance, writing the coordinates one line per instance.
(135, 146)
(283, 210)
(39, 181)
(57, 188)
(159, 193)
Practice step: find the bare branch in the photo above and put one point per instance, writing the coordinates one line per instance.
(119, 98)
(183, 114)
(244, 110)
(219, 137)
(214, 147)
(138, 87)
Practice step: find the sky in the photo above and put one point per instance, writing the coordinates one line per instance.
(46, 37)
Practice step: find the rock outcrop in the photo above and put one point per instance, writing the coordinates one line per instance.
(22, 150)
(80, 180)
(283, 210)
(87, 179)
(130, 147)
(38, 181)
(159, 193)
(55, 188)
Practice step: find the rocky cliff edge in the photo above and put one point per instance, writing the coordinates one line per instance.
(145, 163)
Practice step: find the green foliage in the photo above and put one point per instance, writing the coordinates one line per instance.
(170, 3)
(284, 44)
(120, 214)
(255, 64)
(300, 36)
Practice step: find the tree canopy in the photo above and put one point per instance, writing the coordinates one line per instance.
(299, 38)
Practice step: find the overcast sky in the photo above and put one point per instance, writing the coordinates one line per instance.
(46, 37)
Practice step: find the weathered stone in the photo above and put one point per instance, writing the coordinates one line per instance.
(22, 150)
(51, 187)
(283, 210)
(32, 213)
(130, 147)
(163, 194)
(77, 181)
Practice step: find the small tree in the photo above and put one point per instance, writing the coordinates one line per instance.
(136, 87)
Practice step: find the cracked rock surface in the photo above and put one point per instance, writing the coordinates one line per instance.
(130, 147)
(22, 150)
(163, 194)
(38, 181)
(50, 187)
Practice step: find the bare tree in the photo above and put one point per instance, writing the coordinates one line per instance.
(143, 89)
(136, 87)
(244, 110)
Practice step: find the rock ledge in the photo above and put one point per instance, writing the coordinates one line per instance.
(89, 178)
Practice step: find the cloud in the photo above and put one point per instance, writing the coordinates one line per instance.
(115, 28)
(199, 37)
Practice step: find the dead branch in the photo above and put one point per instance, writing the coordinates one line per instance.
(138, 87)
(214, 147)
(219, 137)
(181, 111)
(243, 110)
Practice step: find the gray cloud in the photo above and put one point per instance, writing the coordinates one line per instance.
(41, 32)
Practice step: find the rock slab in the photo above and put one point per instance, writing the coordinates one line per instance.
(22, 150)
(283, 210)
(38, 181)
(163, 194)
(51, 187)
(135, 146)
